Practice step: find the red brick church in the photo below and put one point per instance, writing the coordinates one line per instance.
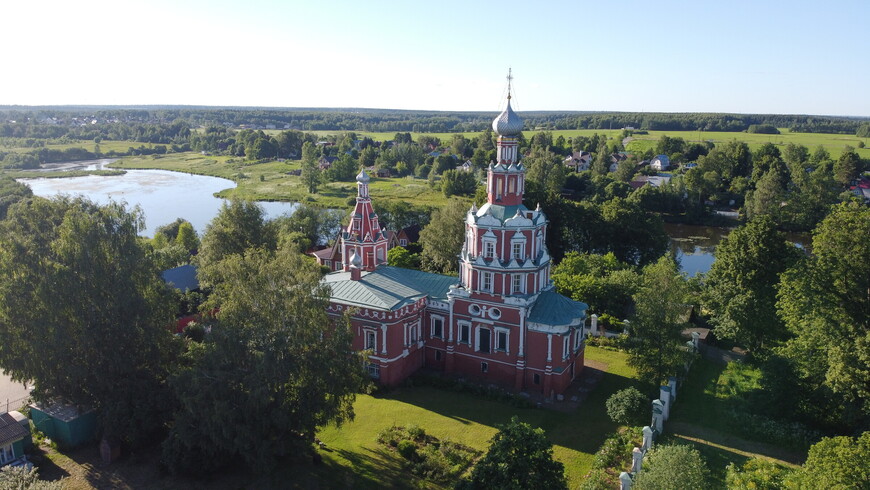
(501, 321)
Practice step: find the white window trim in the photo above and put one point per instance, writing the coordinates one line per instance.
(487, 243)
(518, 280)
(374, 333)
(522, 251)
(432, 320)
(477, 331)
(507, 343)
(459, 326)
(566, 347)
(482, 285)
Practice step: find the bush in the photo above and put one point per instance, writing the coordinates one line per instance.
(757, 473)
(407, 449)
(426, 456)
(628, 407)
(673, 466)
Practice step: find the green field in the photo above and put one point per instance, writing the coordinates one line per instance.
(834, 143)
(276, 185)
(355, 456)
(105, 146)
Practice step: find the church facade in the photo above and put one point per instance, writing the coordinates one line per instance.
(501, 321)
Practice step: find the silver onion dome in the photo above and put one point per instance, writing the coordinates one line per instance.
(508, 123)
(362, 177)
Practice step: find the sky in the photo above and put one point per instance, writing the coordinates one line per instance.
(736, 56)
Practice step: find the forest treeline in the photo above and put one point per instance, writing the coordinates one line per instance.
(164, 124)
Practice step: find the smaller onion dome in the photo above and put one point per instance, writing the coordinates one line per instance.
(508, 123)
(355, 260)
(363, 176)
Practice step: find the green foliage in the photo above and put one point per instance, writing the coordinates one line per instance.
(824, 303)
(316, 225)
(310, 170)
(848, 166)
(22, 478)
(401, 257)
(837, 462)
(265, 378)
(740, 289)
(757, 474)
(545, 169)
(238, 226)
(628, 407)
(519, 457)
(438, 461)
(442, 238)
(657, 350)
(602, 281)
(11, 192)
(458, 183)
(614, 455)
(673, 467)
(762, 129)
(83, 312)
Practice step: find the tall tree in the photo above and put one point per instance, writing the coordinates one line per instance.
(238, 226)
(310, 170)
(657, 350)
(442, 238)
(11, 192)
(273, 369)
(545, 169)
(836, 462)
(824, 302)
(847, 167)
(740, 289)
(519, 457)
(83, 312)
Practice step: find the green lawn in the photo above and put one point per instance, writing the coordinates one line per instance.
(354, 456)
(698, 418)
(105, 146)
(269, 181)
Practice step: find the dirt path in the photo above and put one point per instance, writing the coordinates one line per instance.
(727, 442)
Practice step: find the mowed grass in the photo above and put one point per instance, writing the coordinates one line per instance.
(354, 457)
(698, 419)
(270, 182)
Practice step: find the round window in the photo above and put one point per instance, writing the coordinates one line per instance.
(495, 313)
(474, 309)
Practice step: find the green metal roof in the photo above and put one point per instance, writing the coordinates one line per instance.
(388, 288)
(551, 308)
(500, 212)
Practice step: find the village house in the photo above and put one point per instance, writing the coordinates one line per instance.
(500, 321)
(579, 161)
(660, 162)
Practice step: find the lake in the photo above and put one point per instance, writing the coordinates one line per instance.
(695, 246)
(163, 195)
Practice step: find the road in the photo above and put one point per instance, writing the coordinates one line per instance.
(14, 393)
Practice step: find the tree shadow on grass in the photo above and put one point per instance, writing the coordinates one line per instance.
(582, 430)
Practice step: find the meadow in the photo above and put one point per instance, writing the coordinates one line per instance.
(270, 181)
(834, 143)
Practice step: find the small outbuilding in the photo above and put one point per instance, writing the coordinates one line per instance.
(14, 438)
(67, 424)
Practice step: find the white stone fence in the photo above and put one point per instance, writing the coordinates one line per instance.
(661, 411)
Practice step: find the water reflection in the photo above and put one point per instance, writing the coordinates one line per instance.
(163, 195)
(694, 246)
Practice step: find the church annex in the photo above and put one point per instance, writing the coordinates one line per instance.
(501, 321)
